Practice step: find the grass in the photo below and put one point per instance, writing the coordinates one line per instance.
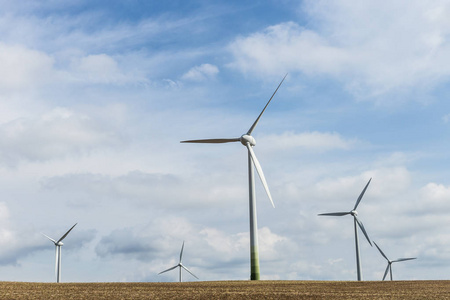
(230, 290)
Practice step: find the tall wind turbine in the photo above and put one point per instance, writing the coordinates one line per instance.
(248, 141)
(389, 266)
(180, 265)
(357, 223)
(58, 245)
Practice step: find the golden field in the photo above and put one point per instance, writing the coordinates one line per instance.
(230, 290)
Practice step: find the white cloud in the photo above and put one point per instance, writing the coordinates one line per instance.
(313, 141)
(101, 69)
(55, 134)
(22, 68)
(434, 198)
(368, 46)
(202, 72)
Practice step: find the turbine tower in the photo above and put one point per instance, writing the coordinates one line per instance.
(180, 265)
(249, 142)
(58, 245)
(357, 223)
(390, 262)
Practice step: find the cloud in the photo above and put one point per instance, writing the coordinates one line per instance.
(354, 45)
(201, 73)
(22, 68)
(15, 244)
(310, 141)
(99, 68)
(128, 243)
(434, 199)
(139, 188)
(56, 134)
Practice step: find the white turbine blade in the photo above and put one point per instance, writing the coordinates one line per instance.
(64, 236)
(403, 259)
(170, 269)
(361, 195)
(181, 253)
(249, 132)
(363, 229)
(335, 214)
(213, 141)
(189, 271)
(384, 255)
(260, 171)
(49, 238)
(385, 272)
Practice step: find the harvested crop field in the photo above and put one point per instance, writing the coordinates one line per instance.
(230, 290)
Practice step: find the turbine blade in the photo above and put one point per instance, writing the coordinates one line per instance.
(335, 214)
(64, 236)
(189, 271)
(361, 195)
(385, 272)
(260, 172)
(403, 259)
(181, 253)
(384, 255)
(249, 132)
(170, 269)
(49, 238)
(363, 229)
(213, 141)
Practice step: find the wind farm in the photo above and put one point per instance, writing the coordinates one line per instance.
(147, 123)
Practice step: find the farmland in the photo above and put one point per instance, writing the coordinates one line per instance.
(230, 290)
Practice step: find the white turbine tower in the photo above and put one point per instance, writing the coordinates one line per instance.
(58, 245)
(390, 262)
(357, 223)
(248, 141)
(180, 265)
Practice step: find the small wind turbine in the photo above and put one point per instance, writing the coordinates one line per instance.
(357, 223)
(180, 265)
(58, 245)
(389, 266)
(248, 141)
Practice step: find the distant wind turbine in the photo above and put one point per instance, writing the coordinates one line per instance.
(179, 265)
(390, 262)
(58, 245)
(357, 223)
(248, 141)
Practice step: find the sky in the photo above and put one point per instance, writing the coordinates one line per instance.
(95, 97)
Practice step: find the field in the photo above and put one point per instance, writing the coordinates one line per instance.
(230, 290)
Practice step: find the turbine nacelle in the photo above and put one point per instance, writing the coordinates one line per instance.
(247, 139)
(354, 213)
(59, 244)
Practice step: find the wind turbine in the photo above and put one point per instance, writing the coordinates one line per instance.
(248, 141)
(389, 266)
(58, 245)
(357, 223)
(180, 265)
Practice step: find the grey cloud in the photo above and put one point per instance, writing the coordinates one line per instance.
(126, 242)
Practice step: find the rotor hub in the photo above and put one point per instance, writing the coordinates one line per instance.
(60, 244)
(247, 139)
(354, 213)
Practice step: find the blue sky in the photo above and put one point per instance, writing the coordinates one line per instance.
(95, 98)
